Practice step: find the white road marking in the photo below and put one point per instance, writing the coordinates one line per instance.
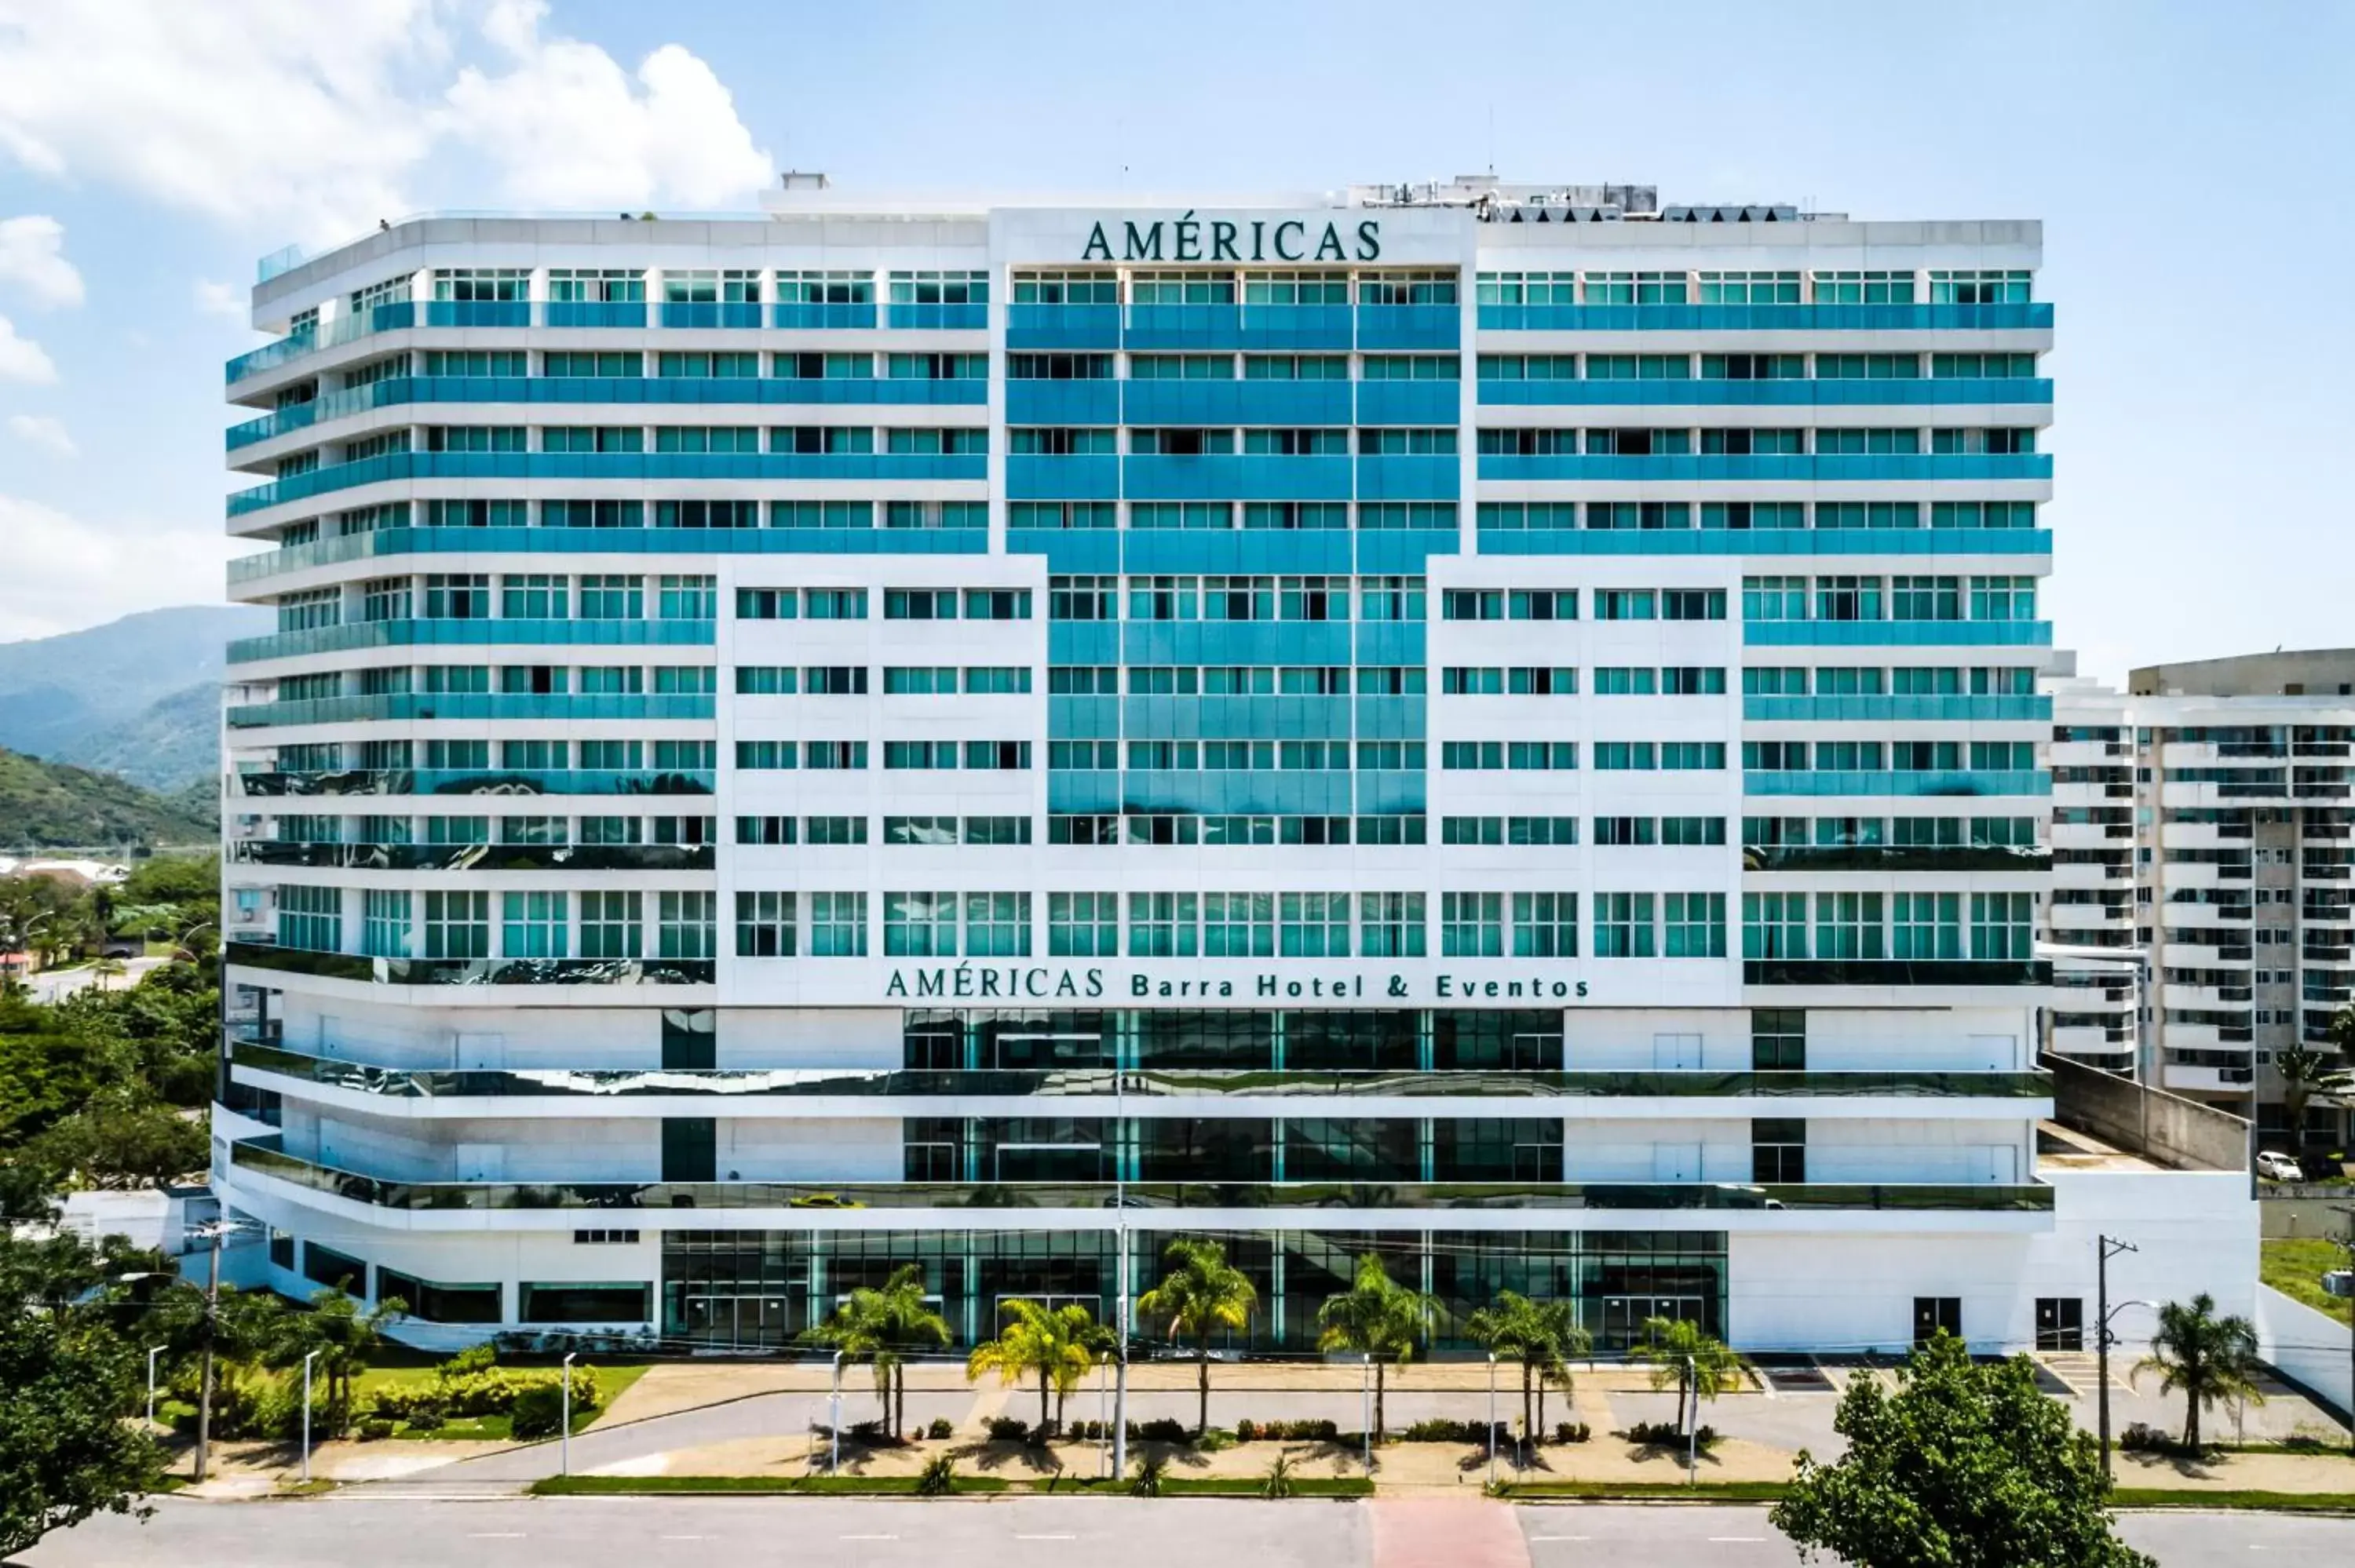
(1537, 1538)
(1735, 1538)
(870, 1538)
(494, 1535)
(1045, 1538)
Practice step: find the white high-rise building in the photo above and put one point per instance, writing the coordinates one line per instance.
(2205, 843)
(1493, 723)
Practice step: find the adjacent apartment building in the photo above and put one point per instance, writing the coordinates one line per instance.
(1498, 725)
(2204, 835)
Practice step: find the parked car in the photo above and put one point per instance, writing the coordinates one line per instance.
(2277, 1167)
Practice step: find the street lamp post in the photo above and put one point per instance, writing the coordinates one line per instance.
(834, 1419)
(564, 1432)
(1366, 1404)
(1492, 1418)
(1692, 1426)
(306, 1415)
(152, 1352)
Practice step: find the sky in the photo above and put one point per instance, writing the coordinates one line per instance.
(2189, 162)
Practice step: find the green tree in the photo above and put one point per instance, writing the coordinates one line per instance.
(345, 1333)
(244, 1325)
(2205, 1358)
(2302, 1072)
(124, 1140)
(1697, 1362)
(1059, 1345)
(1200, 1294)
(1962, 1464)
(1511, 1328)
(68, 1381)
(1379, 1317)
(1567, 1340)
(882, 1327)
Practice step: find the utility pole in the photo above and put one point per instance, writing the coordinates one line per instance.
(2105, 1249)
(204, 1387)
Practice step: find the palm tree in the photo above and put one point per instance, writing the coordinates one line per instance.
(2205, 1357)
(1201, 1293)
(1684, 1353)
(1059, 1345)
(1512, 1330)
(1377, 1318)
(2303, 1074)
(345, 1335)
(1568, 1340)
(881, 1327)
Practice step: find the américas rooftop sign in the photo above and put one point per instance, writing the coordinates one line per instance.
(1188, 238)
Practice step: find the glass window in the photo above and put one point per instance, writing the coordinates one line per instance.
(609, 924)
(1545, 924)
(1472, 925)
(685, 923)
(837, 922)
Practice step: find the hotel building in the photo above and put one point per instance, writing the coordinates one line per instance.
(1495, 723)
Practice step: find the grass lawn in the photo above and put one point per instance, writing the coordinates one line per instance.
(1707, 1491)
(611, 1379)
(2295, 1268)
(2271, 1502)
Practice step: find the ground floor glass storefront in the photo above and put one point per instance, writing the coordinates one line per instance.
(766, 1287)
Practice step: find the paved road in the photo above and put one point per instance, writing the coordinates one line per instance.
(55, 986)
(681, 1532)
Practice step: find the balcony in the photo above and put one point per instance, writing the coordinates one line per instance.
(419, 706)
(1806, 468)
(1840, 781)
(1409, 328)
(1896, 633)
(473, 857)
(593, 314)
(1228, 403)
(469, 631)
(797, 317)
(1931, 709)
(259, 1157)
(404, 466)
(1894, 857)
(1038, 328)
(1090, 402)
(1099, 1083)
(1767, 541)
(1068, 477)
(471, 972)
(1434, 403)
(2024, 391)
(1896, 972)
(1766, 318)
(1215, 328)
(477, 782)
(1235, 478)
(706, 314)
(960, 317)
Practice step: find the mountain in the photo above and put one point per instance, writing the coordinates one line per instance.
(175, 742)
(48, 805)
(138, 694)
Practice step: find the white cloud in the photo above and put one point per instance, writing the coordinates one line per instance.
(22, 360)
(32, 256)
(221, 300)
(570, 130)
(166, 98)
(43, 431)
(66, 572)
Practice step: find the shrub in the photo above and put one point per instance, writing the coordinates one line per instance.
(939, 1428)
(1668, 1434)
(870, 1433)
(1442, 1430)
(938, 1477)
(1214, 1440)
(427, 1420)
(1278, 1483)
(474, 1359)
(1007, 1429)
(1571, 1432)
(1091, 1431)
(1247, 1431)
(538, 1410)
(1163, 1429)
(375, 1429)
(1147, 1483)
(1287, 1431)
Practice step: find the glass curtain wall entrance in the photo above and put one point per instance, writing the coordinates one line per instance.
(765, 1288)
